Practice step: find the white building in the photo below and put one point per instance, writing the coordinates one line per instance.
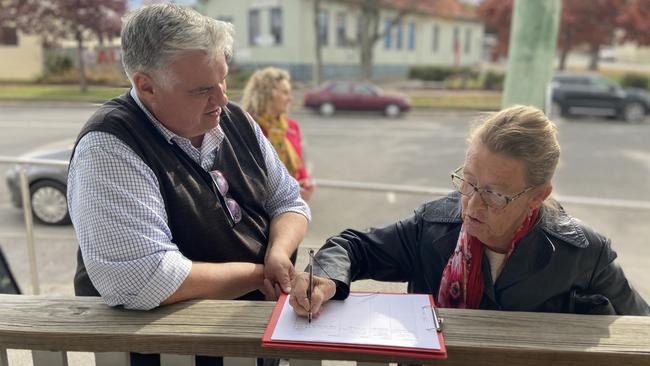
(281, 33)
(21, 56)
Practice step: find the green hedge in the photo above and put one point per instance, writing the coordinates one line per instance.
(493, 80)
(635, 81)
(440, 73)
(458, 77)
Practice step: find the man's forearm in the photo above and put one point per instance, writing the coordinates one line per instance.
(222, 281)
(287, 231)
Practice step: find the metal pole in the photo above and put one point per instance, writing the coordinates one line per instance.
(533, 39)
(29, 227)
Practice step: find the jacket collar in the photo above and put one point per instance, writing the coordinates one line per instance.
(553, 220)
(534, 251)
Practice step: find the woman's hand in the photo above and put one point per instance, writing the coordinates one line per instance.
(324, 289)
(306, 189)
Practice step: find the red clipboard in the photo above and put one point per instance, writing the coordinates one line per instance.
(267, 340)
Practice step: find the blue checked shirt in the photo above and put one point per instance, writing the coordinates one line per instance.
(120, 219)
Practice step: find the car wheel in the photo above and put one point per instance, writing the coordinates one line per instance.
(634, 112)
(327, 109)
(392, 110)
(49, 202)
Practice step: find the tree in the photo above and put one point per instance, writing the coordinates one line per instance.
(318, 68)
(369, 28)
(588, 22)
(370, 31)
(497, 15)
(583, 22)
(635, 22)
(58, 19)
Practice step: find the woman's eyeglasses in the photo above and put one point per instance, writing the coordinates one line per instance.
(234, 211)
(492, 199)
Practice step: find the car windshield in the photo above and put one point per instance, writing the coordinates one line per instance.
(602, 83)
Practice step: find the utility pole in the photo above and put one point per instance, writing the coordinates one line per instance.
(533, 40)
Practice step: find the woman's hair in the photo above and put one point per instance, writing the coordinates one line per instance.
(523, 133)
(258, 93)
(153, 35)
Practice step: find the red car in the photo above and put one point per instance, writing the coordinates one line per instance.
(354, 96)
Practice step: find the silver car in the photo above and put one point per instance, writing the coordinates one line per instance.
(47, 184)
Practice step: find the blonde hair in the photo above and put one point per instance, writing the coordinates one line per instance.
(258, 92)
(523, 133)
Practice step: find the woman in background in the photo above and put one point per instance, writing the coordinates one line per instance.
(267, 96)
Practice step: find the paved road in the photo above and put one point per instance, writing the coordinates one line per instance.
(600, 159)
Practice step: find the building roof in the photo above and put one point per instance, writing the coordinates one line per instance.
(452, 9)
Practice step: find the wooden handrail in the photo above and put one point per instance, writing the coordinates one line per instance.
(235, 328)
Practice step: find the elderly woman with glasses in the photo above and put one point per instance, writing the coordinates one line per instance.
(499, 242)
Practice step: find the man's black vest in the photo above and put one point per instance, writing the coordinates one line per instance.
(199, 223)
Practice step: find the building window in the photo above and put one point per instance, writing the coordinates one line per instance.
(253, 27)
(8, 36)
(468, 40)
(436, 38)
(340, 30)
(411, 40)
(455, 44)
(387, 34)
(398, 36)
(323, 29)
(276, 25)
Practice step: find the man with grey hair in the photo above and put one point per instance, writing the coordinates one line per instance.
(174, 192)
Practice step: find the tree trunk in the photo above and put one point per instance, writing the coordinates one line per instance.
(365, 48)
(566, 47)
(82, 63)
(593, 59)
(370, 33)
(318, 67)
(369, 36)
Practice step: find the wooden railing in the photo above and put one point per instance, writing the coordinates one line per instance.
(235, 328)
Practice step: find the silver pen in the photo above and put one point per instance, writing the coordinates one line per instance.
(310, 289)
(437, 320)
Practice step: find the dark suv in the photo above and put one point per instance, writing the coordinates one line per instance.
(574, 93)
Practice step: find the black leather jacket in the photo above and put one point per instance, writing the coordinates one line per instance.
(560, 266)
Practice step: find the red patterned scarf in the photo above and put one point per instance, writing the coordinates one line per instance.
(462, 279)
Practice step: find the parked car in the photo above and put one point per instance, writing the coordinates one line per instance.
(355, 96)
(582, 93)
(47, 184)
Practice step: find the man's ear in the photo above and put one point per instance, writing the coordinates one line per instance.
(540, 194)
(144, 86)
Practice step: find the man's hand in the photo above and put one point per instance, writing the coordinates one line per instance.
(278, 273)
(324, 289)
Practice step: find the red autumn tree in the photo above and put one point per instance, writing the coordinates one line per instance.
(588, 23)
(497, 15)
(59, 19)
(635, 22)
